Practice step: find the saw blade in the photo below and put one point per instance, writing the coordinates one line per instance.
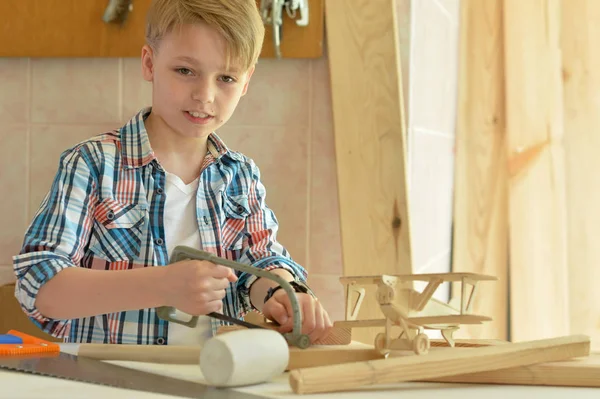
(92, 371)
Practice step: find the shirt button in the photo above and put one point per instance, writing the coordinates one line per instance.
(159, 241)
(110, 215)
(240, 209)
(205, 220)
(159, 191)
(160, 341)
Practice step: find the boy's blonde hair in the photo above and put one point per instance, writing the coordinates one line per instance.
(238, 22)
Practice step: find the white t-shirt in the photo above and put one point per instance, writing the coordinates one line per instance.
(181, 228)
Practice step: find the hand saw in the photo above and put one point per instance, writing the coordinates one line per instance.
(180, 253)
(35, 356)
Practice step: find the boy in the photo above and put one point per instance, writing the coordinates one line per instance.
(95, 261)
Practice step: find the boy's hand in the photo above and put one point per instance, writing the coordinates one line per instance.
(315, 320)
(197, 287)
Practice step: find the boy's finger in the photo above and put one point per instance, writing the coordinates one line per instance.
(318, 331)
(308, 317)
(328, 323)
(232, 277)
(221, 271)
(278, 313)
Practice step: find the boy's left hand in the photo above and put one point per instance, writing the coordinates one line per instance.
(315, 320)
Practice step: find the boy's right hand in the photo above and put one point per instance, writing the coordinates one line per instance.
(197, 287)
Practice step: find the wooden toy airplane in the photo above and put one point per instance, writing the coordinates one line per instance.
(411, 310)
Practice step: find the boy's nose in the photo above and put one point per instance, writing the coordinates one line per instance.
(204, 93)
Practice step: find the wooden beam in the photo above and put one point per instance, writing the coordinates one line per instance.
(351, 376)
(369, 123)
(537, 207)
(578, 372)
(480, 241)
(581, 72)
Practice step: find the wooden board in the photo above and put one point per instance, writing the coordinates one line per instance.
(74, 28)
(480, 243)
(580, 372)
(370, 143)
(313, 356)
(537, 208)
(437, 364)
(317, 356)
(580, 34)
(339, 335)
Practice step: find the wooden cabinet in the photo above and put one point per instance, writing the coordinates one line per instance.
(74, 28)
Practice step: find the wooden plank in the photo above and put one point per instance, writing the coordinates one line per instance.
(318, 356)
(369, 123)
(580, 32)
(339, 335)
(580, 372)
(437, 364)
(74, 28)
(480, 240)
(313, 356)
(537, 207)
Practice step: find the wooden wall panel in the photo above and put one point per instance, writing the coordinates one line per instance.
(480, 241)
(580, 40)
(537, 206)
(370, 142)
(74, 28)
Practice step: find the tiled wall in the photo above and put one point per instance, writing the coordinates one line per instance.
(432, 108)
(284, 123)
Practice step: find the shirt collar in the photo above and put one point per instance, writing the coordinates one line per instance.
(136, 149)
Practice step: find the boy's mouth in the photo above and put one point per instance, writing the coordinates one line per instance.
(198, 117)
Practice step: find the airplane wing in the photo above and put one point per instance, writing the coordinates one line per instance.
(425, 321)
(451, 277)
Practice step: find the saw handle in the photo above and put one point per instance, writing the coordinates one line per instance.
(181, 252)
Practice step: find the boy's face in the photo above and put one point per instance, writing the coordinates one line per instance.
(192, 93)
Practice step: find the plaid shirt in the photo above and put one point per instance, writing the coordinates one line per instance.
(105, 211)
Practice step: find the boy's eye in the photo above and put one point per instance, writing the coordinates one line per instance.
(183, 71)
(227, 79)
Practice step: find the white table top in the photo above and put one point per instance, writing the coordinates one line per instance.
(22, 385)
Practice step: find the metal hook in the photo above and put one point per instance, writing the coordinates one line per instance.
(117, 11)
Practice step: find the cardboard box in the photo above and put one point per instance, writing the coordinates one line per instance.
(13, 318)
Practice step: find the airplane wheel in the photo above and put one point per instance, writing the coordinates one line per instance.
(421, 344)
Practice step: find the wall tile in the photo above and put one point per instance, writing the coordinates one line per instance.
(281, 155)
(137, 93)
(431, 196)
(325, 245)
(47, 143)
(278, 95)
(13, 181)
(434, 68)
(14, 93)
(330, 292)
(75, 91)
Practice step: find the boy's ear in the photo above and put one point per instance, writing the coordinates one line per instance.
(147, 63)
(250, 72)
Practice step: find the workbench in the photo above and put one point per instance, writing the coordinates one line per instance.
(22, 385)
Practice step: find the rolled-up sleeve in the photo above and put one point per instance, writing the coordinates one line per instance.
(57, 236)
(262, 250)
